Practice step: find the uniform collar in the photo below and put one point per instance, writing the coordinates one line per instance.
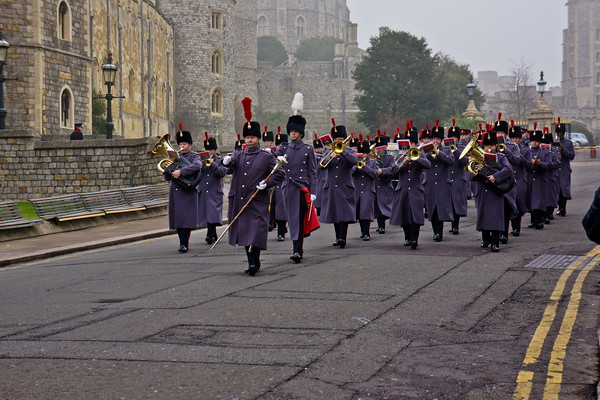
(252, 150)
(296, 144)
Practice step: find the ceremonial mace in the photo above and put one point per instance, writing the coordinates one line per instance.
(281, 162)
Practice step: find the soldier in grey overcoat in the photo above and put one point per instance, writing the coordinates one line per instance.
(460, 183)
(364, 173)
(515, 134)
(250, 167)
(553, 186)
(183, 201)
(319, 148)
(300, 178)
(277, 202)
(384, 189)
(564, 170)
(491, 205)
(339, 206)
(210, 192)
(438, 186)
(409, 194)
(511, 152)
(536, 180)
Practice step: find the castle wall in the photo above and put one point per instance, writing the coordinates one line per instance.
(46, 63)
(195, 42)
(320, 17)
(325, 95)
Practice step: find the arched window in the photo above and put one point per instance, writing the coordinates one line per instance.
(300, 26)
(64, 21)
(216, 102)
(598, 78)
(216, 63)
(66, 109)
(263, 28)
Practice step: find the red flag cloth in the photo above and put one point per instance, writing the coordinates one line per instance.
(311, 221)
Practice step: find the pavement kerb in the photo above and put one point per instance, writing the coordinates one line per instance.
(59, 251)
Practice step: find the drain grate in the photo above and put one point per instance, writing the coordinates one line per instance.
(553, 261)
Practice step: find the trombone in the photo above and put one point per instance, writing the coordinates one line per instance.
(412, 154)
(337, 148)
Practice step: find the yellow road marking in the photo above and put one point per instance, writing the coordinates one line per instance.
(559, 351)
(525, 378)
(524, 385)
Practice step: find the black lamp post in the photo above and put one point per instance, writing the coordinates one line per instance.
(471, 88)
(109, 73)
(541, 85)
(3, 50)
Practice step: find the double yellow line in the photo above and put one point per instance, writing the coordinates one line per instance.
(556, 364)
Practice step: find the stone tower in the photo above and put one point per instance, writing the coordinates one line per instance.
(204, 66)
(291, 21)
(245, 59)
(581, 62)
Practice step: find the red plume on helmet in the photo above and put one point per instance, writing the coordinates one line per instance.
(279, 129)
(546, 130)
(378, 132)
(206, 135)
(239, 137)
(512, 123)
(499, 116)
(360, 137)
(437, 122)
(411, 123)
(480, 127)
(352, 134)
(453, 121)
(334, 125)
(180, 127)
(368, 138)
(315, 136)
(558, 119)
(535, 126)
(247, 105)
(266, 128)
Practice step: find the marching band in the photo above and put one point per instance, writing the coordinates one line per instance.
(341, 180)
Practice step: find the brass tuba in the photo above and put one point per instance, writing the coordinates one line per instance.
(337, 148)
(172, 161)
(163, 149)
(476, 155)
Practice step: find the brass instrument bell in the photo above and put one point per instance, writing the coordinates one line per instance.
(337, 148)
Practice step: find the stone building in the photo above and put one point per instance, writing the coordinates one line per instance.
(292, 21)
(326, 85)
(581, 63)
(57, 49)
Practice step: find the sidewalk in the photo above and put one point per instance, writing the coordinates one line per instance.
(34, 248)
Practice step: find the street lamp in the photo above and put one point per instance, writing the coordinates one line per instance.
(471, 88)
(3, 50)
(109, 73)
(541, 85)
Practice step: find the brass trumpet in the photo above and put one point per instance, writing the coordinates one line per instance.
(208, 162)
(434, 152)
(452, 148)
(500, 147)
(337, 148)
(360, 164)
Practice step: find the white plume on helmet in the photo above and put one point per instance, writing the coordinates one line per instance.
(298, 104)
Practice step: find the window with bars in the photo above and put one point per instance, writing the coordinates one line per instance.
(300, 26)
(287, 85)
(263, 28)
(216, 62)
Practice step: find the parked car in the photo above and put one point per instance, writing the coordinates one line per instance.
(579, 139)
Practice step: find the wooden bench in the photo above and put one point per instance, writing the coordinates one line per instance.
(141, 196)
(64, 208)
(160, 192)
(109, 201)
(10, 216)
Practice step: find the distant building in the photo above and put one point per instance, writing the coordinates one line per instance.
(581, 63)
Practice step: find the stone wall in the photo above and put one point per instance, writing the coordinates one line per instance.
(195, 42)
(35, 166)
(325, 96)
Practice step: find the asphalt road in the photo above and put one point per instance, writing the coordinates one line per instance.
(374, 320)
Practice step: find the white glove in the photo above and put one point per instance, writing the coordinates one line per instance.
(226, 160)
(268, 149)
(261, 185)
(313, 197)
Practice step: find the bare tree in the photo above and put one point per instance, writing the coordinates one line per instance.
(519, 97)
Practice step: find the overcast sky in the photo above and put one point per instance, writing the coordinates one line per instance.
(486, 34)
